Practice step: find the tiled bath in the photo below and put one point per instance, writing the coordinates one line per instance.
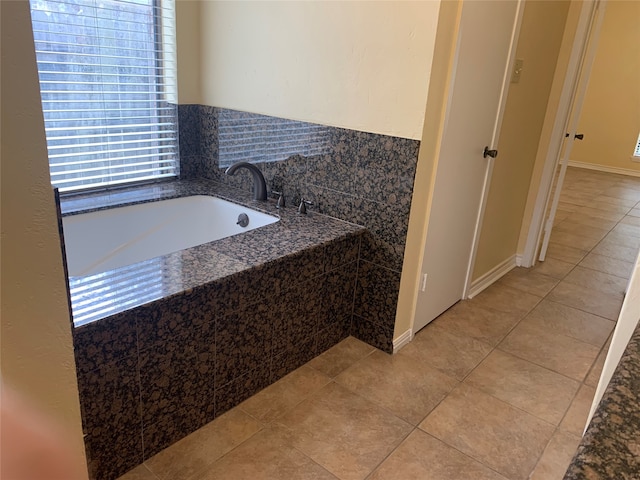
(229, 318)
(235, 323)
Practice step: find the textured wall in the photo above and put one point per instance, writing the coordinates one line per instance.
(37, 353)
(357, 65)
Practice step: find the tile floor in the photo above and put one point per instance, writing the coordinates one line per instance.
(498, 387)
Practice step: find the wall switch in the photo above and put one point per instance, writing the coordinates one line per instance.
(424, 282)
(518, 65)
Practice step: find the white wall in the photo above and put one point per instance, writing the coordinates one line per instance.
(37, 350)
(358, 65)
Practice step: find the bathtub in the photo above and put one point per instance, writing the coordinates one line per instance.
(108, 239)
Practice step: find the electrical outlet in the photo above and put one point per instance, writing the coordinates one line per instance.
(518, 65)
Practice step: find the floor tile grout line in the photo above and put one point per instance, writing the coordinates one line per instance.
(403, 439)
(580, 382)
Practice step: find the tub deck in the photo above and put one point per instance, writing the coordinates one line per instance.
(98, 296)
(178, 340)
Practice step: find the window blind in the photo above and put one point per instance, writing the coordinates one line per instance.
(636, 152)
(108, 87)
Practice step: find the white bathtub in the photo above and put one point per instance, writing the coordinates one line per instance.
(108, 239)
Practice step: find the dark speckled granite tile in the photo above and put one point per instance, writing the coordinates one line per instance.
(209, 145)
(104, 342)
(298, 268)
(168, 429)
(396, 152)
(177, 378)
(377, 295)
(292, 358)
(376, 249)
(341, 251)
(287, 177)
(280, 327)
(256, 247)
(381, 184)
(114, 451)
(243, 342)
(110, 396)
(334, 203)
(338, 292)
(178, 315)
(336, 169)
(380, 335)
(610, 448)
(191, 166)
(177, 390)
(189, 131)
(242, 387)
(333, 334)
(245, 288)
(198, 266)
(387, 225)
(303, 308)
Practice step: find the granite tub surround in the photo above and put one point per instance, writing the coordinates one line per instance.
(610, 448)
(203, 329)
(355, 176)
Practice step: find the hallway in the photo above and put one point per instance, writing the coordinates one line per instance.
(497, 387)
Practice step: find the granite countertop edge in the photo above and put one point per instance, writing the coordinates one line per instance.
(610, 447)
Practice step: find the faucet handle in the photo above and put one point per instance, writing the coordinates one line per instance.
(280, 203)
(303, 205)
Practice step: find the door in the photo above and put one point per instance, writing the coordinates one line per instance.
(579, 87)
(487, 34)
(585, 39)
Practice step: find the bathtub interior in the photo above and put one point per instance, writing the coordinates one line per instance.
(108, 239)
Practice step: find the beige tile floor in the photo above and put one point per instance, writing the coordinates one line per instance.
(498, 387)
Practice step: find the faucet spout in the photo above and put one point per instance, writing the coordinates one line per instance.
(259, 185)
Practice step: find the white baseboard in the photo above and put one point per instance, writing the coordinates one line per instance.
(602, 168)
(519, 258)
(402, 340)
(492, 276)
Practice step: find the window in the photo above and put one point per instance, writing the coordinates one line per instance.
(636, 152)
(108, 87)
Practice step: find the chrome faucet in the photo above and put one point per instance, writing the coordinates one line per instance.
(259, 185)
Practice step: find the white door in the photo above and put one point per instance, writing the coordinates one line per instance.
(485, 45)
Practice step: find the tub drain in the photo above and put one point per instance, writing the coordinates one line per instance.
(243, 220)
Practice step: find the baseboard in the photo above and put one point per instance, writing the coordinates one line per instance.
(602, 168)
(492, 276)
(402, 340)
(519, 258)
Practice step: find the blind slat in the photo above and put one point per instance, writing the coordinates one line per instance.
(107, 91)
(102, 154)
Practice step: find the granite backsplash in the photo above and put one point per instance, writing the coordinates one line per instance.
(360, 177)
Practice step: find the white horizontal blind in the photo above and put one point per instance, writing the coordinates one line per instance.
(636, 152)
(107, 75)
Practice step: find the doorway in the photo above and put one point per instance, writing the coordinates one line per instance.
(475, 105)
(610, 119)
